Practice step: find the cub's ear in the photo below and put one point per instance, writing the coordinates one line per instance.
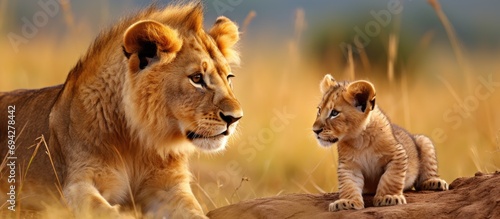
(144, 41)
(361, 94)
(327, 82)
(226, 35)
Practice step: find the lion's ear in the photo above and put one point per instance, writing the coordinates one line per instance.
(327, 82)
(144, 41)
(226, 35)
(361, 94)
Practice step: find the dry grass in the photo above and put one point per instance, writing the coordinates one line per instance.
(350, 63)
(68, 14)
(392, 54)
(251, 15)
(455, 42)
(280, 79)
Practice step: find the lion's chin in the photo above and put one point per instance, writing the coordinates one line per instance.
(211, 144)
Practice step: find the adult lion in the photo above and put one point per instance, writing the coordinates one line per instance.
(120, 129)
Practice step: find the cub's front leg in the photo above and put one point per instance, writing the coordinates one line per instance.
(391, 184)
(351, 184)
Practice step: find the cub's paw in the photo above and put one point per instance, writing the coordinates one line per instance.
(345, 204)
(435, 184)
(388, 200)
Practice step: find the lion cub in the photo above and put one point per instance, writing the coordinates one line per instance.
(375, 156)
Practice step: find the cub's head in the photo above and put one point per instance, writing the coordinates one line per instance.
(178, 85)
(344, 110)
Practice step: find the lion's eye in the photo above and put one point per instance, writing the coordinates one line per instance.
(334, 114)
(197, 80)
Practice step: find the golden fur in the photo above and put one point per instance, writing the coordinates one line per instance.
(121, 128)
(375, 156)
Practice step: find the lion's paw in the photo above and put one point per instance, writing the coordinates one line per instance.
(197, 217)
(345, 204)
(201, 217)
(190, 215)
(388, 200)
(435, 184)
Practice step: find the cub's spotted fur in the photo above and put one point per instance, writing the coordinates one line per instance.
(375, 156)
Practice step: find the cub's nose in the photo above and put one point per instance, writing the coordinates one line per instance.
(317, 131)
(229, 119)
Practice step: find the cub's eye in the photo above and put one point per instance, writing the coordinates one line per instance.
(334, 114)
(196, 80)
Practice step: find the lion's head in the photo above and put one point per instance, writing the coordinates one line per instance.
(344, 110)
(178, 84)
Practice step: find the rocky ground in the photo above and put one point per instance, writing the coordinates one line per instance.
(468, 197)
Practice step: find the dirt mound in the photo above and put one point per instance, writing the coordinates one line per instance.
(468, 197)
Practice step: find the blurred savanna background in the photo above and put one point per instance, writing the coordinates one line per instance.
(435, 67)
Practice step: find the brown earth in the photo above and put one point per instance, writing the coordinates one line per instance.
(468, 197)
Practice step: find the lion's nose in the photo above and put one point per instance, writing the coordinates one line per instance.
(317, 131)
(229, 119)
